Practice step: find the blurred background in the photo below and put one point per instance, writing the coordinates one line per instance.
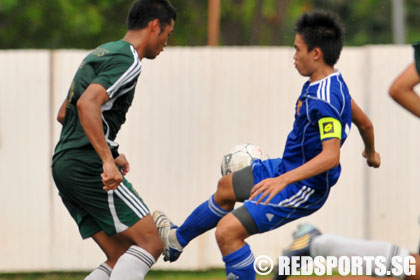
(193, 103)
(56, 24)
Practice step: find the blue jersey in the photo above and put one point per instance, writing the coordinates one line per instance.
(323, 111)
(327, 99)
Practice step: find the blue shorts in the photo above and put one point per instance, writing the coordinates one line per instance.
(295, 201)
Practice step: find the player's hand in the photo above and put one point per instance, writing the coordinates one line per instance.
(111, 177)
(268, 188)
(372, 159)
(122, 163)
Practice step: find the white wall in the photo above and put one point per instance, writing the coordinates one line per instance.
(191, 106)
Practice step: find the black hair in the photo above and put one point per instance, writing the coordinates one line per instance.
(144, 11)
(322, 29)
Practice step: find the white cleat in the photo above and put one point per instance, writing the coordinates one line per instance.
(167, 231)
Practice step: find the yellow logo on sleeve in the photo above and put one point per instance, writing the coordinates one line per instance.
(329, 128)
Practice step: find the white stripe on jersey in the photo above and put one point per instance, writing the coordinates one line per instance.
(342, 95)
(347, 129)
(107, 106)
(323, 84)
(318, 92)
(324, 88)
(328, 90)
(132, 72)
(324, 91)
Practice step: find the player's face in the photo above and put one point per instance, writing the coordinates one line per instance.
(159, 39)
(303, 59)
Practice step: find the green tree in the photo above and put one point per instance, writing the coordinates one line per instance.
(88, 23)
(61, 23)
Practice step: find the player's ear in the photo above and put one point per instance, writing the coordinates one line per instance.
(317, 53)
(154, 25)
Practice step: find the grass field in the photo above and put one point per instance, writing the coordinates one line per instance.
(218, 274)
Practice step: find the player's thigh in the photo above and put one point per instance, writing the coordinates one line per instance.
(242, 183)
(85, 222)
(259, 218)
(293, 202)
(121, 209)
(244, 180)
(78, 179)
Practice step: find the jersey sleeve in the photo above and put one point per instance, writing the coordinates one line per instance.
(417, 56)
(117, 72)
(327, 116)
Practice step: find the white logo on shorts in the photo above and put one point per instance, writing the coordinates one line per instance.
(232, 276)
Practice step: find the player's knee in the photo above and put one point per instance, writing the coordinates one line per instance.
(151, 242)
(224, 233)
(222, 186)
(159, 247)
(156, 244)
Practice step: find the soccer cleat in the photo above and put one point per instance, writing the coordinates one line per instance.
(302, 239)
(167, 231)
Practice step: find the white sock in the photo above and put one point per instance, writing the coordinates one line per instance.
(134, 264)
(334, 245)
(102, 272)
(173, 240)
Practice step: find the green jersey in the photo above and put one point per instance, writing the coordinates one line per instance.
(116, 66)
(417, 56)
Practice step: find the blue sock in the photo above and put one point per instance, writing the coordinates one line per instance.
(240, 264)
(204, 217)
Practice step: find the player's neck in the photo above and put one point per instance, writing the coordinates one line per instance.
(321, 72)
(138, 39)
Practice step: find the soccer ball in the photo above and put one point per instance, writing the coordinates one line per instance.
(241, 156)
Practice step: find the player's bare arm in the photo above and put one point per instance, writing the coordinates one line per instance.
(365, 127)
(324, 161)
(62, 112)
(402, 90)
(89, 110)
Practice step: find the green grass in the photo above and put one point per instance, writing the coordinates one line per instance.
(216, 274)
(39, 276)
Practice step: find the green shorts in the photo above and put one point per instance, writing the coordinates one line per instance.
(77, 175)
